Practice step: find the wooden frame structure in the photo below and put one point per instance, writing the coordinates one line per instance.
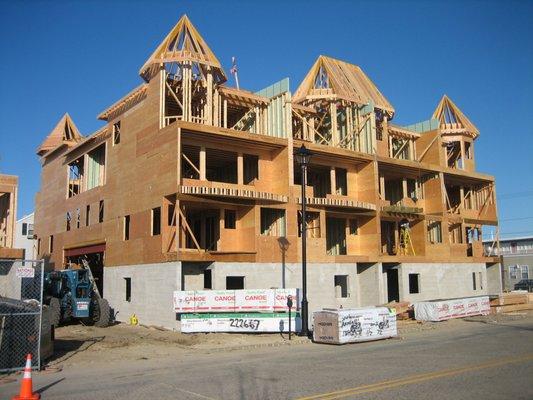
(201, 152)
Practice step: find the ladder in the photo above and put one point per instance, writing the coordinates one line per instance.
(406, 245)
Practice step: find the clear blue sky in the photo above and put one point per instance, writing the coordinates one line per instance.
(81, 57)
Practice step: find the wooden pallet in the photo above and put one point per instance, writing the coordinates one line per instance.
(511, 308)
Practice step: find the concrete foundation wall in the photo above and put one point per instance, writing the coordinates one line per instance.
(152, 287)
(370, 284)
(320, 280)
(494, 278)
(442, 281)
(154, 284)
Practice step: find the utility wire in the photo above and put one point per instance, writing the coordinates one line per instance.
(515, 219)
(515, 195)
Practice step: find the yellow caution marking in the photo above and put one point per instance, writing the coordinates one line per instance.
(415, 379)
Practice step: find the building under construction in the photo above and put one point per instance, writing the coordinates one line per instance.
(193, 184)
(8, 217)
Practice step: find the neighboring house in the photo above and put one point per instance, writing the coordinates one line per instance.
(8, 212)
(517, 259)
(192, 184)
(24, 237)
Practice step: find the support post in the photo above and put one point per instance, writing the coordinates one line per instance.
(202, 164)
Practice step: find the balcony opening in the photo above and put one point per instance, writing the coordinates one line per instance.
(230, 219)
(221, 166)
(251, 169)
(401, 148)
(434, 230)
(96, 167)
(318, 177)
(394, 191)
(312, 225)
(341, 182)
(273, 222)
(204, 229)
(335, 236)
(453, 155)
(75, 177)
(455, 233)
(388, 237)
(190, 166)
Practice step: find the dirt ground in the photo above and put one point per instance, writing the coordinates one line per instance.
(78, 344)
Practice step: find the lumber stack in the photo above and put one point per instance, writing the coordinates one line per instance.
(404, 309)
(510, 302)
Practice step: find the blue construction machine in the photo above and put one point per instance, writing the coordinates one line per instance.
(72, 294)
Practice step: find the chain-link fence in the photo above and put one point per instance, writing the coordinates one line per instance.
(21, 316)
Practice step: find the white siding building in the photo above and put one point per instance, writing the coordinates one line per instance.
(24, 237)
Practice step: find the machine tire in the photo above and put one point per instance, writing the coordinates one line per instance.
(55, 311)
(104, 313)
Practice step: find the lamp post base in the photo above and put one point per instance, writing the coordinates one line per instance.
(305, 319)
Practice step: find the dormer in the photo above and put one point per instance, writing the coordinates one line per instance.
(458, 135)
(346, 106)
(64, 133)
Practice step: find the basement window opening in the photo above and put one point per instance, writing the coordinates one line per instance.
(341, 286)
(234, 282)
(156, 221)
(414, 283)
(208, 279)
(126, 227)
(127, 281)
(229, 219)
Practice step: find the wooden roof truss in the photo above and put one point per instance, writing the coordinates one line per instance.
(64, 133)
(452, 120)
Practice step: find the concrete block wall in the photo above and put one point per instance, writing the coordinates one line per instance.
(152, 288)
(442, 280)
(320, 280)
(370, 284)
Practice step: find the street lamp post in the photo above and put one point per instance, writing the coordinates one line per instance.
(303, 155)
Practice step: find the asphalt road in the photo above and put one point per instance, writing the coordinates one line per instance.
(474, 361)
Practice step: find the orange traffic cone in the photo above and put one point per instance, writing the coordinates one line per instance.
(26, 391)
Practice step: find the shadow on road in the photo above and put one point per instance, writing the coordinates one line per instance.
(67, 348)
(45, 388)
